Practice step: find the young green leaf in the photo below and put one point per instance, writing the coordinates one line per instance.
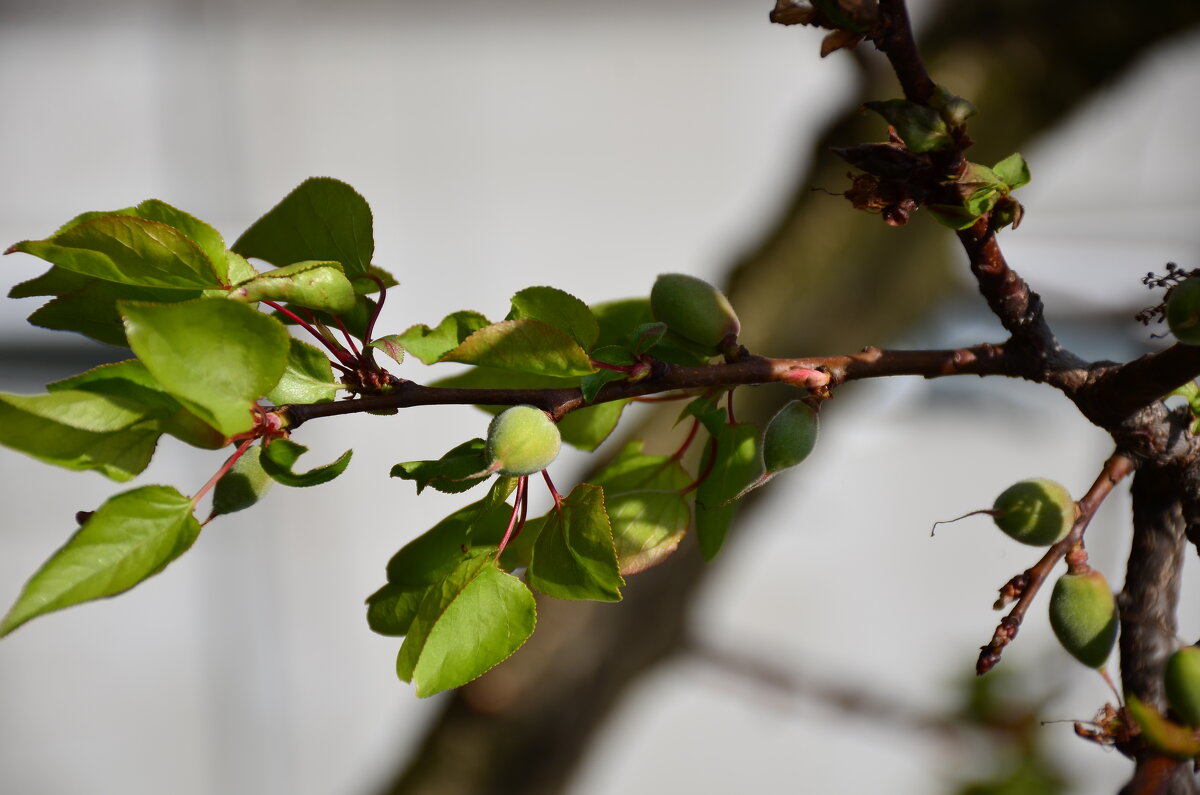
(243, 485)
(129, 250)
(1179, 742)
(646, 507)
(1013, 171)
(322, 219)
(559, 309)
(133, 536)
(431, 344)
(312, 284)
(574, 556)
(452, 473)
(86, 411)
(280, 456)
(308, 377)
(526, 346)
(920, 127)
(391, 346)
(213, 355)
(473, 620)
(738, 464)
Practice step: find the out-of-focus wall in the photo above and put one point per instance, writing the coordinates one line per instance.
(501, 146)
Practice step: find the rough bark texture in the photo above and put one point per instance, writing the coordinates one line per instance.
(824, 279)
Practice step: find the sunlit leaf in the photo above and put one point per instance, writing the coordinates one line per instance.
(280, 456)
(526, 346)
(313, 284)
(559, 309)
(128, 539)
(307, 378)
(431, 344)
(322, 219)
(452, 473)
(215, 356)
(574, 556)
(474, 619)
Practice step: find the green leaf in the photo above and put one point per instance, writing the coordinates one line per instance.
(526, 346)
(91, 309)
(609, 354)
(646, 507)
(470, 622)
(308, 377)
(280, 456)
(131, 537)
(243, 485)
(559, 309)
(391, 347)
(1170, 738)
(129, 250)
(322, 219)
(207, 239)
(435, 553)
(1013, 171)
(452, 473)
(391, 609)
(574, 556)
(312, 284)
(131, 381)
(920, 127)
(708, 410)
(215, 356)
(86, 411)
(117, 454)
(431, 344)
(55, 281)
(616, 319)
(738, 464)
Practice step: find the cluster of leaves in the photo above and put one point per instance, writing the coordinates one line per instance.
(210, 367)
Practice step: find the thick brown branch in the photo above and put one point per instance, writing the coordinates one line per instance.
(1121, 390)
(981, 360)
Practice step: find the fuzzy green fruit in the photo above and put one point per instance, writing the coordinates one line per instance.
(790, 436)
(522, 440)
(1183, 311)
(1038, 511)
(1083, 614)
(693, 309)
(1182, 680)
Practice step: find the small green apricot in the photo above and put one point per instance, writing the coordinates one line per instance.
(1183, 311)
(1083, 615)
(1181, 678)
(1038, 511)
(790, 436)
(693, 309)
(522, 440)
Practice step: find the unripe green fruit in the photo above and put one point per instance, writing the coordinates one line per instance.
(522, 440)
(693, 309)
(1038, 511)
(790, 436)
(1083, 614)
(1182, 680)
(1183, 311)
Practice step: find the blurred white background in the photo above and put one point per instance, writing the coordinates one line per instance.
(590, 148)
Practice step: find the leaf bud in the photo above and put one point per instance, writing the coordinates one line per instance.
(1083, 615)
(694, 309)
(522, 440)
